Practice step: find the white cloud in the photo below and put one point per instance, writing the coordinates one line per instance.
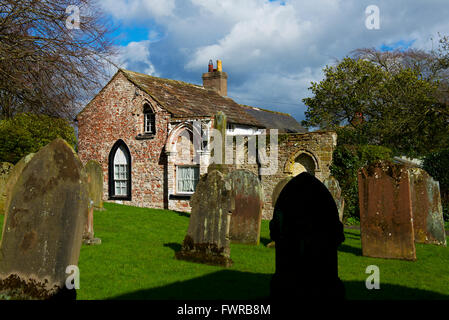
(136, 57)
(270, 51)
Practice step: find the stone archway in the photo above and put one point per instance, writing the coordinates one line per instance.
(303, 163)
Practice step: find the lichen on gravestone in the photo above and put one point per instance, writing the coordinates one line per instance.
(44, 223)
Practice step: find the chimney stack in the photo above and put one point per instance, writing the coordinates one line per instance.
(216, 79)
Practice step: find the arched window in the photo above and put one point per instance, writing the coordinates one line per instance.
(149, 120)
(120, 172)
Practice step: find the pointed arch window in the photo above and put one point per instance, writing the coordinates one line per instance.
(120, 172)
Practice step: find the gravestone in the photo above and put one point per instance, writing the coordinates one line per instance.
(13, 177)
(307, 232)
(386, 223)
(5, 170)
(207, 240)
(43, 225)
(334, 187)
(278, 188)
(246, 217)
(428, 222)
(94, 174)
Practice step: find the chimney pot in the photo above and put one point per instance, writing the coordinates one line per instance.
(216, 79)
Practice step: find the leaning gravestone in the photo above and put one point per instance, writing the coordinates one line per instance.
(5, 170)
(386, 223)
(43, 225)
(246, 217)
(334, 187)
(428, 222)
(94, 174)
(307, 232)
(207, 240)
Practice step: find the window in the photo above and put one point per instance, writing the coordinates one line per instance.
(187, 178)
(149, 120)
(120, 172)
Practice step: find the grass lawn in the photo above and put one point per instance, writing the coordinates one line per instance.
(136, 261)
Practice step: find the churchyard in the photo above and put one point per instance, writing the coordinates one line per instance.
(136, 261)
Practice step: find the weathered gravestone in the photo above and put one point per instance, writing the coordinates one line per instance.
(307, 232)
(43, 225)
(5, 170)
(428, 222)
(13, 177)
(386, 223)
(207, 240)
(246, 217)
(334, 187)
(94, 174)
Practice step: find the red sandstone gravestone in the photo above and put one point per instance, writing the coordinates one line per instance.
(386, 223)
(428, 222)
(44, 224)
(246, 217)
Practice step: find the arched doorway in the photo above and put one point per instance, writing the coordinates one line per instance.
(303, 163)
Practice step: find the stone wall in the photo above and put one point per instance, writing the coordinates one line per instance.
(318, 146)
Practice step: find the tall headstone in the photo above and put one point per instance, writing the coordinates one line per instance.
(94, 174)
(334, 187)
(386, 223)
(428, 222)
(207, 240)
(307, 232)
(5, 170)
(44, 225)
(246, 216)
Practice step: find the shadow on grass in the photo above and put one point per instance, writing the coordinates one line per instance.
(237, 285)
(356, 290)
(225, 284)
(349, 249)
(174, 246)
(265, 241)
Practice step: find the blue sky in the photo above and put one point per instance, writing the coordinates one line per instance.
(271, 50)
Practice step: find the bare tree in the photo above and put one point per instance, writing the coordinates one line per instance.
(50, 63)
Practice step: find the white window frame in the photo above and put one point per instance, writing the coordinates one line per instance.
(178, 177)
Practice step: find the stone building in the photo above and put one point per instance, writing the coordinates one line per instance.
(141, 129)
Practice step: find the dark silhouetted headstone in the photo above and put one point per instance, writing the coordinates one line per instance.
(94, 174)
(307, 232)
(386, 223)
(247, 214)
(5, 170)
(207, 240)
(44, 225)
(428, 222)
(334, 187)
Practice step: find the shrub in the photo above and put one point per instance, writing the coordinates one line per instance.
(437, 164)
(27, 133)
(347, 160)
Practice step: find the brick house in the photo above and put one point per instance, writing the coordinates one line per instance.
(140, 129)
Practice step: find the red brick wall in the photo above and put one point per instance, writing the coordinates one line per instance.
(117, 113)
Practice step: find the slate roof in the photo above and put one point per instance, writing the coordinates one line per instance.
(185, 100)
(284, 122)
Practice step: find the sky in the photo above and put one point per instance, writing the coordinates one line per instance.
(271, 50)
